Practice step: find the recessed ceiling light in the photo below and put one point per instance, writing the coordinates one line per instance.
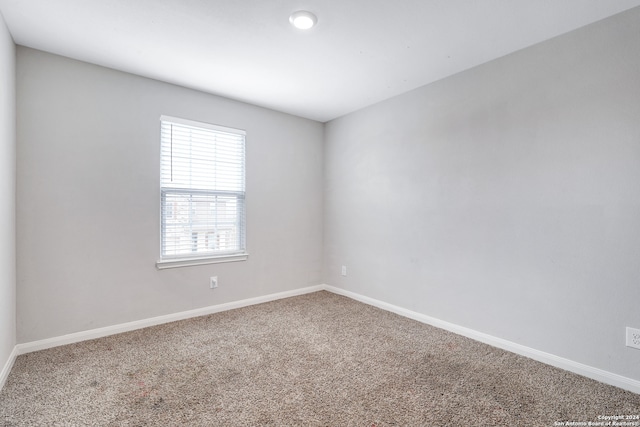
(303, 19)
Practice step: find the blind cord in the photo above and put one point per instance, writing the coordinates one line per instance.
(171, 152)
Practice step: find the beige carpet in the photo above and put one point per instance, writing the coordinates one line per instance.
(314, 360)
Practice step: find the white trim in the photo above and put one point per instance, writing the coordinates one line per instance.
(547, 358)
(193, 123)
(139, 324)
(189, 262)
(4, 374)
(597, 374)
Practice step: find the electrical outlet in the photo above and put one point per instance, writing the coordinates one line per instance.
(344, 270)
(213, 282)
(633, 337)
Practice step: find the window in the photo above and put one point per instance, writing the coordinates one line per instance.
(202, 186)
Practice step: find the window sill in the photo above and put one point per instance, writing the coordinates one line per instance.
(189, 262)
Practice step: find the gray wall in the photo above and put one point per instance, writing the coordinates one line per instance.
(505, 199)
(7, 195)
(88, 199)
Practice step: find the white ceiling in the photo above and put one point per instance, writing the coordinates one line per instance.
(361, 51)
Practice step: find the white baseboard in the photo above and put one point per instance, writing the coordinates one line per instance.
(4, 373)
(547, 358)
(139, 324)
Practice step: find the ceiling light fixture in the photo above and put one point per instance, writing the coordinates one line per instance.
(303, 19)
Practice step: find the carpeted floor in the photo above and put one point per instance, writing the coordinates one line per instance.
(314, 360)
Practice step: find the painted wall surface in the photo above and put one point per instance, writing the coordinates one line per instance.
(505, 199)
(88, 199)
(7, 195)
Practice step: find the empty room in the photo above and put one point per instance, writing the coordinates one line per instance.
(326, 213)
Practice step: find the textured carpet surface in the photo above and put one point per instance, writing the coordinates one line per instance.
(314, 360)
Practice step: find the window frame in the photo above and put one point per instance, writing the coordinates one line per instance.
(241, 254)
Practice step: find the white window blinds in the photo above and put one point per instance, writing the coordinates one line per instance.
(202, 181)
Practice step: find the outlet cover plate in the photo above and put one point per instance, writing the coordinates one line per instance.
(633, 338)
(213, 282)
